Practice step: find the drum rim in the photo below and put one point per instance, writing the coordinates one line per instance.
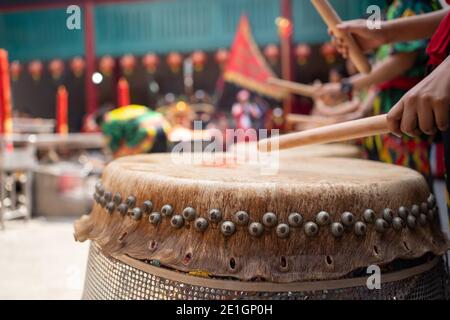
(237, 285)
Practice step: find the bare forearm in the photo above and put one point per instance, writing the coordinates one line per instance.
(389, 69)
(413, 28)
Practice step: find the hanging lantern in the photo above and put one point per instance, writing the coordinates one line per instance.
(56, 68)
(16, 69)
(35, 68)
(199, 60)
(174, 60)
(150, 62)
(106, 65)
(329, 53)
(128, 63)
(302, 53)
(222, 57)
(272, 53)
(77, 66)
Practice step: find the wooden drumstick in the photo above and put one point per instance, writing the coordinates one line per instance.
(293, 87)
(332, 19)
(333, 133)
(301, 118)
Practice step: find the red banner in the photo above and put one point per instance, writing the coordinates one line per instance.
(5, 95)
(246, 66)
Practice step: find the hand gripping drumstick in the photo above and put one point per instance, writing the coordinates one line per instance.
(331, 18)
(333, 133)
(293, 87)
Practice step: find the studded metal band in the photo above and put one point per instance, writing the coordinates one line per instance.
(419, 215)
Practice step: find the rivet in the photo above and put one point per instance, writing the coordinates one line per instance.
(131, 201)
(381, 225)
(227, 228)
(398, 223)
(147, 206)
(423, 220)
(424, 207)
(255, 229)
(136, 213)
(102, 201)
(201, 224)
(360, 228)
(282, 230)
(415, 210)
(348, 219)
(110, 207)
(369, 216)
(154, 218)
(431, 201)
(241, 218)
(311, 229)
(388, 215)
(99, 188)
(189, 214)
(411, 221)
(122, 208)
(337, 229)
(117, 198)
(108, 196)
(323, 218)
(167, 210)
(269, 219)
(403, 212)
(177, 221)
(215, 215)
(295, 219)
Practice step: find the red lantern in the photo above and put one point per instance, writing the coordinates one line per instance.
(56, 68)
(16, 70)
(329, 52)
(222, 57)
(150, 62)
(77, 66)
(106, 65)
(35, 69)
(272, 54)
(174, 60)
(302, 53)
(128, 63)
(198, 60)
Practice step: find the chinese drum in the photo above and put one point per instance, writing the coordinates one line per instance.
(222, 230)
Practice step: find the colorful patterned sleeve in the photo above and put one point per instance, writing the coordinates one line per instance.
(409, 8)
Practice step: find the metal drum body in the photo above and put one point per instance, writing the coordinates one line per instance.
(222, 230)
(124, 278)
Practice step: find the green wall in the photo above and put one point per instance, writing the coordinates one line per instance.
(161, 26)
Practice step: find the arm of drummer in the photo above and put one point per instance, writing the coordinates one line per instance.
(388, 69)
(417, 27)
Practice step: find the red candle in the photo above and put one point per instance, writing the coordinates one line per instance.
(62, 103)
(123, 92)
(5, 95)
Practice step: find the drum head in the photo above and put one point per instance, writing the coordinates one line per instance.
(318, 218)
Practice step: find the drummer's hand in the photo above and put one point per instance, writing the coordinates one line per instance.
(330, 92)
(426, 107)
(367, 39)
